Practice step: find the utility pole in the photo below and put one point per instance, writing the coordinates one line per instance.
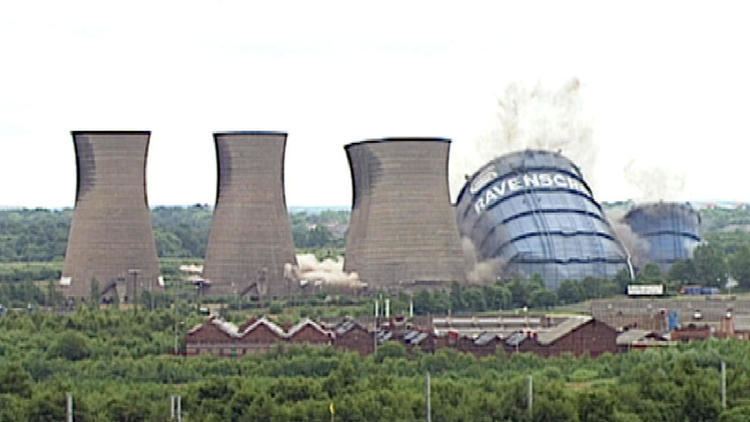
(69, 406)
(530, 397)
(428, 398)
(723, 385)
(175, 402)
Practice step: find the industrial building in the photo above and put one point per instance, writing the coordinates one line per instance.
(251, 237)
(111, 240)
(576, 335)
(402, 232)
(672, 231)
(532, 212)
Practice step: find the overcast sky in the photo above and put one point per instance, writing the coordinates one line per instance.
(665, 83)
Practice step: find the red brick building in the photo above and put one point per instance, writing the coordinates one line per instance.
(309, 332)
(212, 337)
(350, 335)
(259, 337)
(577, 335)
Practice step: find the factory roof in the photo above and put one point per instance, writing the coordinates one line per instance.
(555, 333)
(307, 322)
(485, 338)
(268, 324)
(629, 337)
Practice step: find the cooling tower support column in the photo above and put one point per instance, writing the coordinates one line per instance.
(251, 237)
(111, 236)
(403, 230)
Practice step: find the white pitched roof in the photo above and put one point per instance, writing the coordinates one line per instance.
(305, 322)
(560, 330)
(226, 327)
(269, 324)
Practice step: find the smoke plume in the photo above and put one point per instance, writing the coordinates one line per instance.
(654, 183)
(636, 246)
(528, 118)
(531, 118)
(480, 272)
(321, 273)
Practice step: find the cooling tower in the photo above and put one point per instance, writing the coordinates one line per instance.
(111, 239)
(402, 231)
(672, 231)
(532, 212)
(251, 238)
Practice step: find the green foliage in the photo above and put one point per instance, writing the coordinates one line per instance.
(71, 346)
(596, 405)
(710, 265)
(128, 375)
(650, 274)
(15, 380)
(739, 266)
(275, 308)
(28, 235)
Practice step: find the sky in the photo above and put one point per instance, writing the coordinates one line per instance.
(664, 84)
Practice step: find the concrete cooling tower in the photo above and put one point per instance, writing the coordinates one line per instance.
(402, 232)
(111, 239)
(672, 231)
(533, 212)
(251, 237)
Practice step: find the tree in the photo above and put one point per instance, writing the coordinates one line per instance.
(457, 298)
(651, 273)
(95, 294)
(11, 408)
(15, 380)
(683, 272)
(710, 266)
(422, 302)
(543, 298)
(70, 345)
(570, 291)
(497, 296)
(737, 414)
(739, 266)
(474, 299)
(47, 406)
(596, 405)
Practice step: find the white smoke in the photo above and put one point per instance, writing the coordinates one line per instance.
(531, 118)
(636, 246)
(480, 272)
(528, 118)
(654, 183)
(327, 272)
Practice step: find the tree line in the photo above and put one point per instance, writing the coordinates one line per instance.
(41, 235)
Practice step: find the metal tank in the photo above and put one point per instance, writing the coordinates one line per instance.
(671, 229)
(402, 233)
(533, 213)
(111, 239)
(251, 237)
